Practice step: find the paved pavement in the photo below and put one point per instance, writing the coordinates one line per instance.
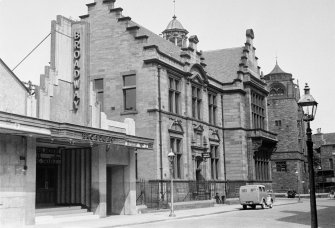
(126, 220)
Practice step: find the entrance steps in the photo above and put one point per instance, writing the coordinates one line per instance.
(62, 214)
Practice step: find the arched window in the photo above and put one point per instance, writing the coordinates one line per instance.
(277, 89)
(273, 92)
(280, 91)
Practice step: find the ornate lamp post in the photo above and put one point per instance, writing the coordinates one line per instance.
(171, 156)
(309, 105)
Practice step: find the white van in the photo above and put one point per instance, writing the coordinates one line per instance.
(252, 195)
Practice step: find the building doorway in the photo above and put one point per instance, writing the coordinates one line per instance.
(63, 177)
(198, 168)
(46, 185)
(115, 190)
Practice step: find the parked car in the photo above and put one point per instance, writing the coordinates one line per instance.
(291, 194)
(253, 195)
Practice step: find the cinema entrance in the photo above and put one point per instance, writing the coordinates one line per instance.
(63, 176)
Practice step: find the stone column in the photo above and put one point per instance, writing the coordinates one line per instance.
(130, 185)
(98, 199)
(30, 181)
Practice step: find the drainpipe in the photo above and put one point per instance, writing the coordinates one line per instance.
(224, 150)
(160, 129)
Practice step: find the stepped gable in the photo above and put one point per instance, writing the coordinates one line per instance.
(141, 32)
(163, 45)
(223, 64)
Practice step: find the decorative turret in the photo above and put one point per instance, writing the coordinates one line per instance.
(278, 74)
(281, 84)
(277, 70)
(175, 33)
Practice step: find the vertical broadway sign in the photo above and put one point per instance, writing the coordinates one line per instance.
(76, 77)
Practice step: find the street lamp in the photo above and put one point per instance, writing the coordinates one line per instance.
(309, 105)
(171, 156)
(296, 172)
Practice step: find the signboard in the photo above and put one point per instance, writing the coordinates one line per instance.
(97, 138)
(48, 156)
(117, 141)
(76, 71)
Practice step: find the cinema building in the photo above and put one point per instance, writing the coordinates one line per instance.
(57, 150)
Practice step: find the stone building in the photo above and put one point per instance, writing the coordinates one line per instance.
(324, 146)
(289, 161)
(209, 108)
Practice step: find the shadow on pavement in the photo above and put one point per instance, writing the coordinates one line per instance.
(325, 216)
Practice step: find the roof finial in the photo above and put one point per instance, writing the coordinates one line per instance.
(276, 59)
(174, 8)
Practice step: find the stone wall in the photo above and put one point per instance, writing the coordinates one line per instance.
(285, 110)
(17, 180)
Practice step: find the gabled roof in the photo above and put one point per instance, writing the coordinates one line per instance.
(13, 75)
(223, 64)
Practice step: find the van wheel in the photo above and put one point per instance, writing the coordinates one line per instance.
(263, 204)
(244, 207)
(253, 206)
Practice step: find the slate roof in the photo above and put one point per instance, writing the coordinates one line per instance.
(13, 75)
(223, 64)
(164, 45)
(175, 24)
(329, 138)
(277, 70)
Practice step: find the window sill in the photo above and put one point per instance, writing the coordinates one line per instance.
(129, 112)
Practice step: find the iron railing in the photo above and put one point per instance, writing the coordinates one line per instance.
(149, 193)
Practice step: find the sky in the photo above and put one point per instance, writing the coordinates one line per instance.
(300, 33)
